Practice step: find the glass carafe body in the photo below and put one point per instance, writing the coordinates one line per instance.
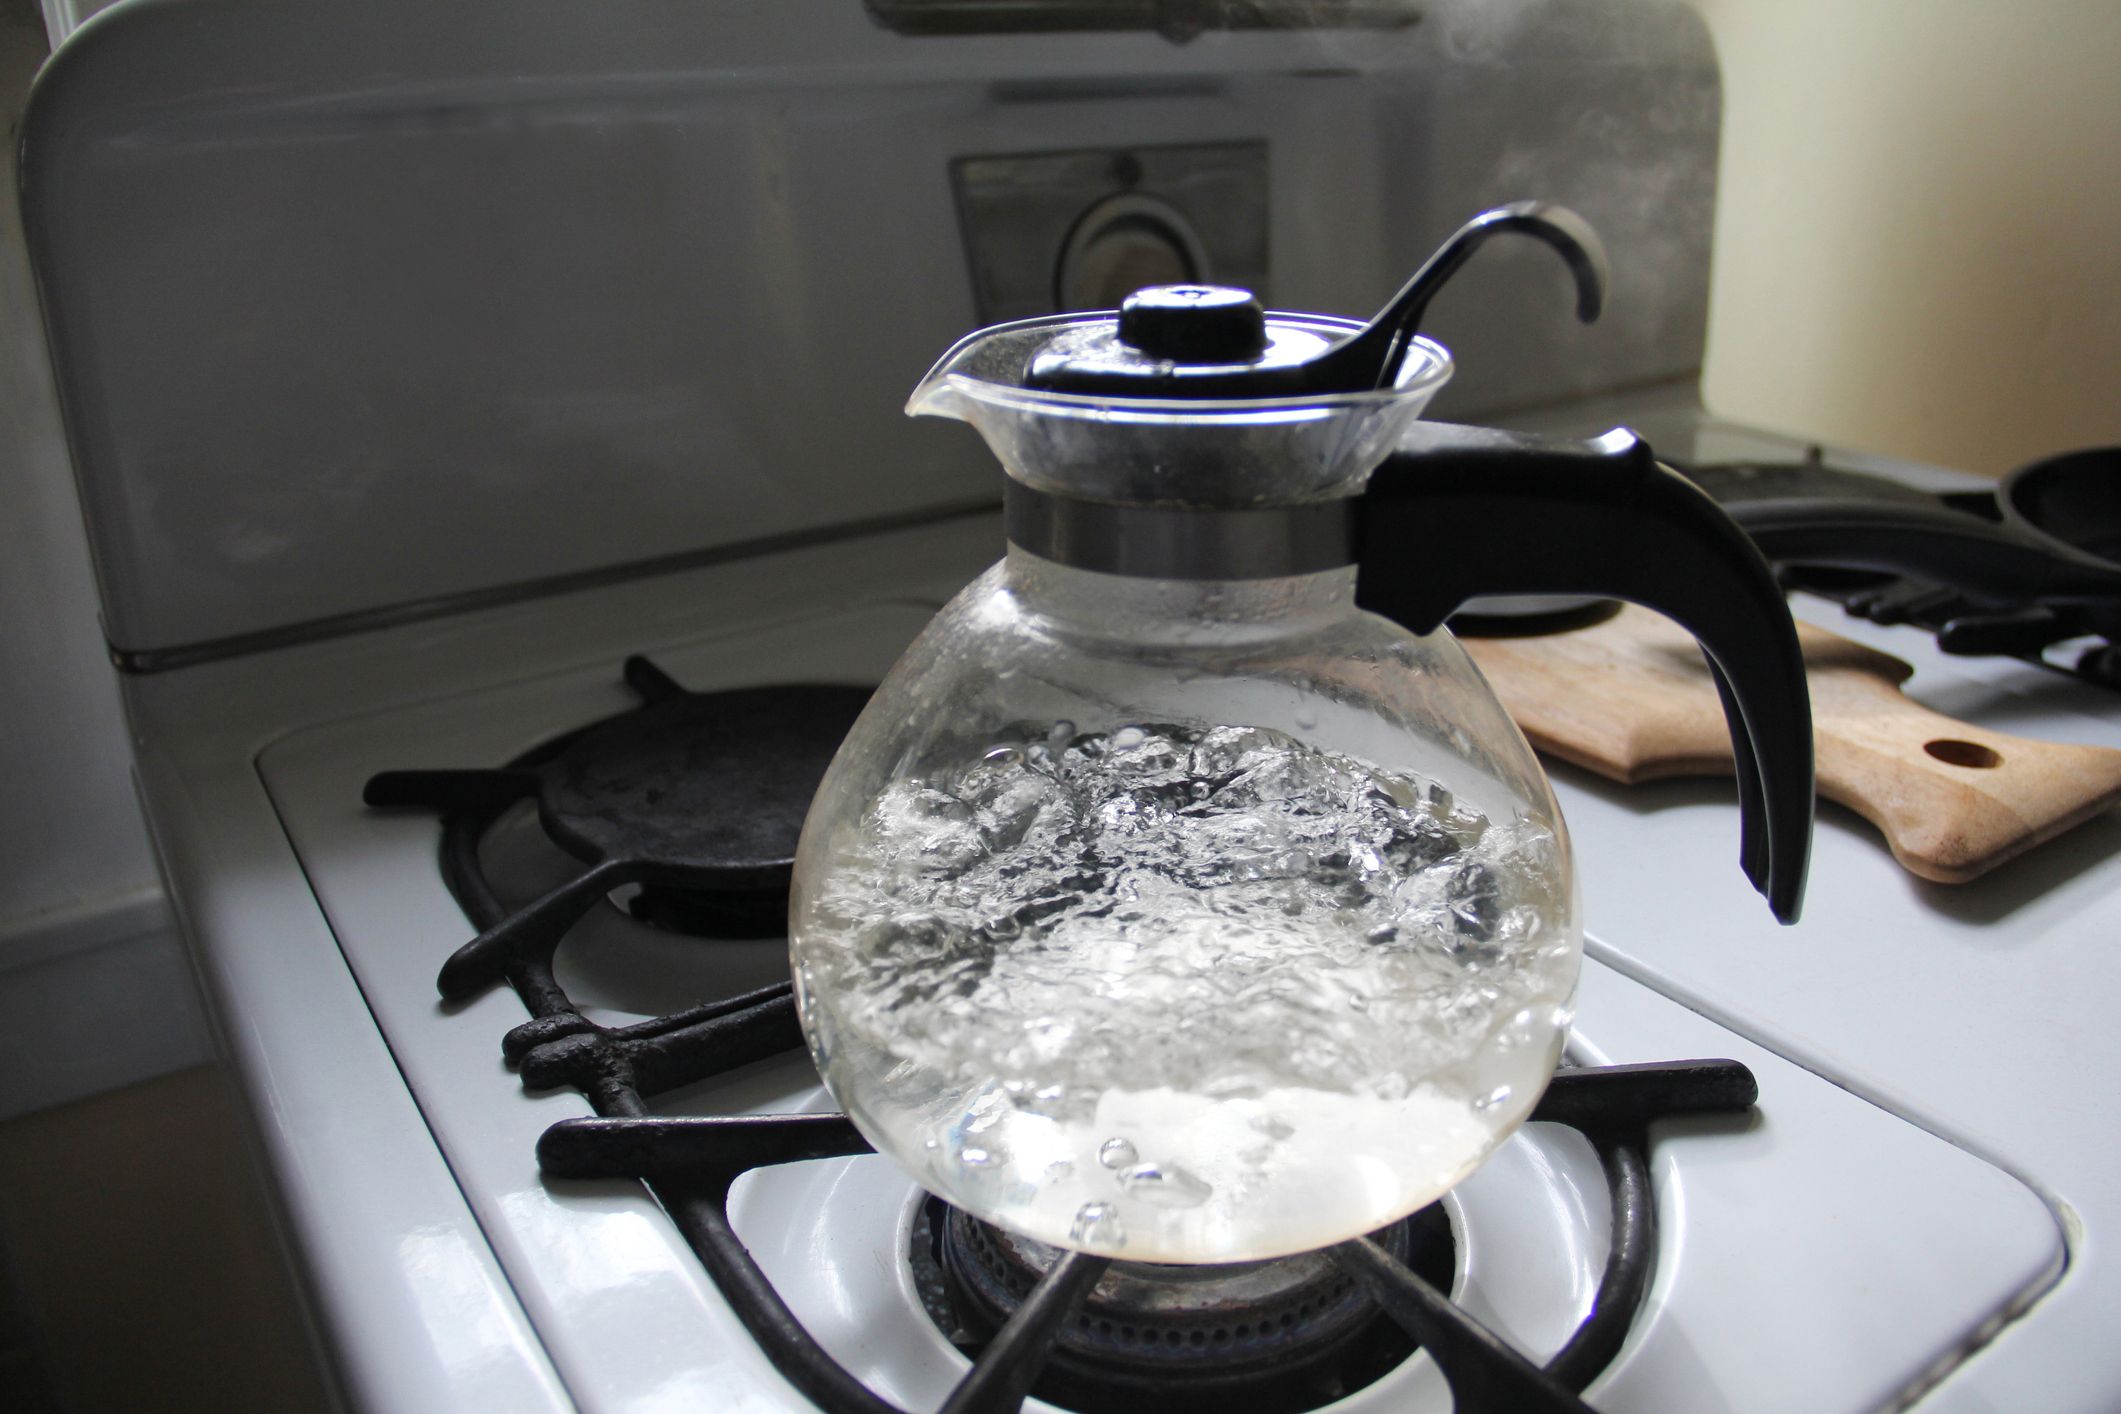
(1183, 920)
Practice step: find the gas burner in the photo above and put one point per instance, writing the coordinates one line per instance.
(699, 793)
(1274, 1337)
(696, 798)
(1280, 1337)
(1054, 1308)
(1963, 624)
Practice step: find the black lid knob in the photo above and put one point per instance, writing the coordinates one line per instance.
(1194, 323)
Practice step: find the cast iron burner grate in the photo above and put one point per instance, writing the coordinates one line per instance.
(1962, 624)
(698, 792)
(1037, 1326)
(700, 798)
(691, 1165)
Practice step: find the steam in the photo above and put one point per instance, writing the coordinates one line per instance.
(1500, 31)
(1482, 31)
(1607, 106)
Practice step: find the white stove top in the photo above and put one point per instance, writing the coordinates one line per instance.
(1921, 1168)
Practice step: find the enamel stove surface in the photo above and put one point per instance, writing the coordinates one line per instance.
(1830, 1254)
(1983, 1012)
(1822, 1189)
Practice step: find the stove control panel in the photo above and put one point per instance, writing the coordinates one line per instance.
(1053, 231)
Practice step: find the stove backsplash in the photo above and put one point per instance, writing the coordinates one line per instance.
(365, 309)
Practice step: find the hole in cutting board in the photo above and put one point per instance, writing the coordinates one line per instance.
(1971, 754)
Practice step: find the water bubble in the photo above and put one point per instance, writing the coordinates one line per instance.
(933, 804)
(1307, 719)
(1003, 756)
(1493, 1098)
(1097, 1225)
(1522, 1029)
(1165, 1186)
(1116, 1153)
(1011, 809)
(1475, 902)
(951, 850)
(1186, 924)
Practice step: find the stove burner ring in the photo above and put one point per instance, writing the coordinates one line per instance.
(691, 1165)
(688, 791)
(1287, 1335)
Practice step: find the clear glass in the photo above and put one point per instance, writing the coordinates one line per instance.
(1184, 921)
(1189, 452)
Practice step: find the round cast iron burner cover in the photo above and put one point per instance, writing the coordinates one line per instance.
(713, 786)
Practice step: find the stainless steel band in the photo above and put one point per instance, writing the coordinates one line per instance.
(1181, 542)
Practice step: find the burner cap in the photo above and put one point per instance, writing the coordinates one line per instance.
(709, 787)
(695, 791)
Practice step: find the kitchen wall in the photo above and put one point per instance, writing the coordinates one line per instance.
(1918, 237)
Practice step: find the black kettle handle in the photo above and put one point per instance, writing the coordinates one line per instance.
(1457, 512)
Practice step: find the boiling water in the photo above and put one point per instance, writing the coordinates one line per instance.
(1184, 994)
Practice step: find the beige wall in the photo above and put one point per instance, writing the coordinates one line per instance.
(1919, 226)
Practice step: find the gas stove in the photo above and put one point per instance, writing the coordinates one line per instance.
(1815, 1188)
(533, 363)
(1144, 1338)
(569, 1285)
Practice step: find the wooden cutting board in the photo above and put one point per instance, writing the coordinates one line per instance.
(1630, 698)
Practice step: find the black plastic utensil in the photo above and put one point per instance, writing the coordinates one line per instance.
(2050, 537)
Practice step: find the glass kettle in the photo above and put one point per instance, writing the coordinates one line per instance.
(1184, 893)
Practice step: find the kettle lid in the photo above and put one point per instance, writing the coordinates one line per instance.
(1215, 341)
